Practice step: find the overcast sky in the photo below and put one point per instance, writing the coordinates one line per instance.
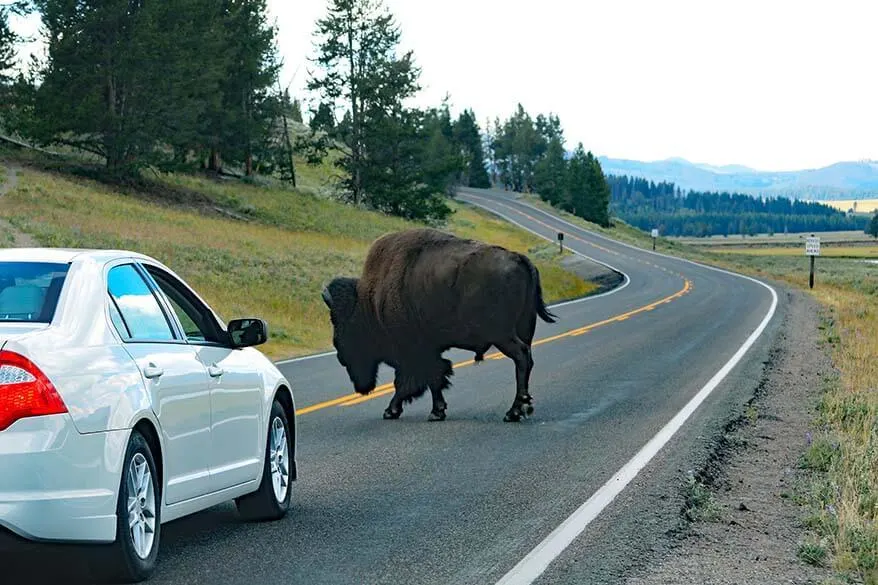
(771, 84)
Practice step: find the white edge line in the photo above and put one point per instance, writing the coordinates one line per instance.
(540, 557)
(555, 306)
(305, 358)
(537, 560)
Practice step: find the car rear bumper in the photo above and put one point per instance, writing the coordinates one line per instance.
(58, 485)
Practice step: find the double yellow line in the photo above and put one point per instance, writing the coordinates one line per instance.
(385, 389)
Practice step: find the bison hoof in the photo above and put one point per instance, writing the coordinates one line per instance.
(392, 414)
(513, 416)
(435, 416)
(528, 409)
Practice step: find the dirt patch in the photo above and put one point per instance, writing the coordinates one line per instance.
(745, 527)
(10, 237)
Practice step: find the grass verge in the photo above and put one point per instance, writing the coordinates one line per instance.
(272, 264)
(842, 498)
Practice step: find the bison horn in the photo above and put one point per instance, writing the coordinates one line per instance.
(327, 298)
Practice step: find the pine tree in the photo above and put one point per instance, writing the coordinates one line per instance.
(597, 210)
(296, 115)
(576, 198)
(7, 59)
(360, 72)
(123, 78)
(243, 117)
(469, 139)
(443, 160)
(7, 48)
(550, 173)
(517, 147)
(873, 226)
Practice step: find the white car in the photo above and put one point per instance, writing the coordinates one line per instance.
(126, 403)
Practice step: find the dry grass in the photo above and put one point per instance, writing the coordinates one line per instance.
(863, 205)
(825, 251)
(273, 269)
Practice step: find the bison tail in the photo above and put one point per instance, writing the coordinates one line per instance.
(542, 309)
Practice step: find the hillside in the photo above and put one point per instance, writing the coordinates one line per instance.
(250, 250)
(843, 180)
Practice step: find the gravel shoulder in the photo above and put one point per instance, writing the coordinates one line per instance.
(605, 278)
(746, 527)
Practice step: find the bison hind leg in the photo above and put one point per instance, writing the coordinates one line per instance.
(519, 352)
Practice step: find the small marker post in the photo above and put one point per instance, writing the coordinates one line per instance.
(561, 242)
(812, 249)
(655, 234)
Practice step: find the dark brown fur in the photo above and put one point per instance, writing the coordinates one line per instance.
(424, 291)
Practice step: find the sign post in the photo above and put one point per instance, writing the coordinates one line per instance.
(812, 249)
(654, 236)
(561, 241)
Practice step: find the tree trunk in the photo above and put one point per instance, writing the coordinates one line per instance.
(355, 112)
(287, 137)
(213, 163)
(249, 165)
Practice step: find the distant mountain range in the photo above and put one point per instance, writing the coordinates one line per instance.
(843, 180)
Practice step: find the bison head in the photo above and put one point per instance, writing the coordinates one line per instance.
(350, 336)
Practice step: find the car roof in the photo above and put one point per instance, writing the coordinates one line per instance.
(65, 255)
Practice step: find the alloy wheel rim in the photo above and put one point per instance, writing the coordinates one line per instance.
(279, 455)
(141, 506)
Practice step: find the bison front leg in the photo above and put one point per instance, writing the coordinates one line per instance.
(394, 409)
(439, 382)
(520, 353)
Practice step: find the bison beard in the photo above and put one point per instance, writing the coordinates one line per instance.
(423, 292)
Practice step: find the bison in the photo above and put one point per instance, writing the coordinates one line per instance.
(423, 292)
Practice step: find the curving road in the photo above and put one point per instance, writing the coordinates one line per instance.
(579, 493)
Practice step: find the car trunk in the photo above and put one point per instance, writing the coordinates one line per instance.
(13, 331)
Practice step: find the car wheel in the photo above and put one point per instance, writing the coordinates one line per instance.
(272, 500)
(132, 558)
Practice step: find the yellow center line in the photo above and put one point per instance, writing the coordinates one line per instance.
(385, 389)
(327, 404)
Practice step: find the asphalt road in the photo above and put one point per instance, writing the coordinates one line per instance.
(462, 501)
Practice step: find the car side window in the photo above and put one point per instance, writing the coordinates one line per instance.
(198, 324)
(139, 310)
(117, 319)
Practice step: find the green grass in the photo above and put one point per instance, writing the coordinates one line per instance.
(272, 266)
(700, 504)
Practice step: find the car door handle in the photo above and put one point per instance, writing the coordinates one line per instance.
(215, 371)
(152, 371)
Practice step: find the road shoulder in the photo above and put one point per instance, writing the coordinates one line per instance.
(605, 278)
(745, 526)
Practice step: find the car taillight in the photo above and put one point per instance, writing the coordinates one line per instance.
(25, 391)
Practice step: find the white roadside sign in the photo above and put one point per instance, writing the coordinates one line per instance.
(654, 233)
(812, 246)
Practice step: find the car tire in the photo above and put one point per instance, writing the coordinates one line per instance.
(271, 500)
(132, 558)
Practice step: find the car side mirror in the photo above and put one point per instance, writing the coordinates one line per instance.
(247, 332)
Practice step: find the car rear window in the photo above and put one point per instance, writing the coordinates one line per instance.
(29, 290)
